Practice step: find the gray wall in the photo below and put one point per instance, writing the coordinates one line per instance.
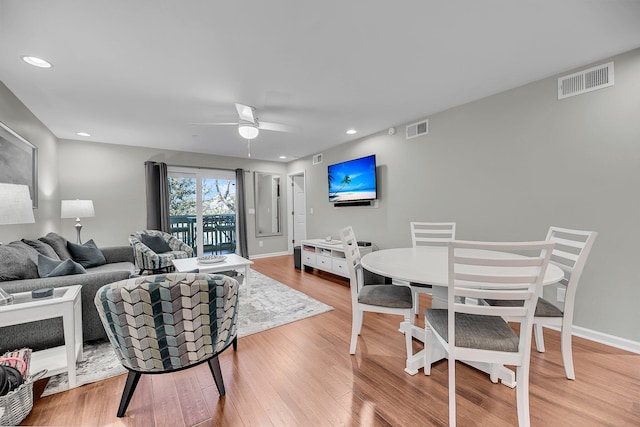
(16, 116)
(113, 177)
(506, 168)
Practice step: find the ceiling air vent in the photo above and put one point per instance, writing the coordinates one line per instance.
(317, 159)
(585, 81)
(417, 129)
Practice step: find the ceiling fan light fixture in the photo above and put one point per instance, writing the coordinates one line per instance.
(248, 131)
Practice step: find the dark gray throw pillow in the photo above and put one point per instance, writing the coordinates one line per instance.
(58, 243)
(42, 248)
(88, 254)
(16, 262)
(156, 243)
(50, 267)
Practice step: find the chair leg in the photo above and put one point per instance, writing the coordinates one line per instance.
(127, 393)
(567, 351)
(522, 395)
(452, 391)
(356, 325)
(214, 366)
(537, 331)
(428, 349)
(235, 343)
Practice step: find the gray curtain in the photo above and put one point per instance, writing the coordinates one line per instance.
(157, 185)
(241, 215)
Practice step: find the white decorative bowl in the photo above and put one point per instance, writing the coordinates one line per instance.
(211, 259)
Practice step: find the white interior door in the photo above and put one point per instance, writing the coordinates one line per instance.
(299, 210)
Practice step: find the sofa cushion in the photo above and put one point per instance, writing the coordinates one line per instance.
(49, 267)
(88, 254)
(18, 261)
(58, 243)
(42, 248)
(156, 243)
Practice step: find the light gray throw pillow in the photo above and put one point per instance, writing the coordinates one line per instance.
(17, 262)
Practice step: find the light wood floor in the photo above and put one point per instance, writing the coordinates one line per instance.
(301, 374)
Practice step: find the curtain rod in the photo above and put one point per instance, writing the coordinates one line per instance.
(203, 167)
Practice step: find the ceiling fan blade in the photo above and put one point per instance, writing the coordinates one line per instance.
(246, 113)
(215, 123)
(275, 126)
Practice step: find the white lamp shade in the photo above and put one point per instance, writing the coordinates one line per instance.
(15, 204)
(248, 131)
(77, 209)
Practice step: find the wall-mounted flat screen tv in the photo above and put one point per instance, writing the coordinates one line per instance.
(353, 180)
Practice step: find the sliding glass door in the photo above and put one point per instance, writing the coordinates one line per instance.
(202, 206)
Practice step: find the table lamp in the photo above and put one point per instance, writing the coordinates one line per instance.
(77, 209)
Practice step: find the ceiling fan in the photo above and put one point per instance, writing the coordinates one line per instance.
(248, 124)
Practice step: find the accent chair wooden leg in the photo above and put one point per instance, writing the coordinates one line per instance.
(127, 393)
(214, 366)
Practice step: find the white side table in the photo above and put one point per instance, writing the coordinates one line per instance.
(65, 303)
(231, 262)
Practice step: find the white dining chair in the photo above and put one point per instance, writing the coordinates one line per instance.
(429, 234)
(479, 333)
(389, 299)
(572, 248)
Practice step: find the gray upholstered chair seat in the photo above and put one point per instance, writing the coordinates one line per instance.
(543, 309)
(475, 331)
(386, 296)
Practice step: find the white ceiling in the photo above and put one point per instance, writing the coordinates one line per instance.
(141, 72)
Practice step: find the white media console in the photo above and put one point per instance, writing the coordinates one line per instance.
(327, 256)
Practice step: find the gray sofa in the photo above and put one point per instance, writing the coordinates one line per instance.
(48, 333)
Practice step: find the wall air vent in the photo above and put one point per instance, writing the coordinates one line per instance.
(417, 129)
(317, 159)
(585, 81)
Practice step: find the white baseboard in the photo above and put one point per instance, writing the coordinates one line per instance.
(602, 338)
(269, 255)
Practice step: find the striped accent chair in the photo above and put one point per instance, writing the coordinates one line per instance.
(160, 259)
(169, 322)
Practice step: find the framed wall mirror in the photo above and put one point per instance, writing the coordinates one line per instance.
(266, 188)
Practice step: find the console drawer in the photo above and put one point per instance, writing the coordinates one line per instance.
(339, 266)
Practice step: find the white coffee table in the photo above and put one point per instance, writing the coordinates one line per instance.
(231, 262)
(65, 303)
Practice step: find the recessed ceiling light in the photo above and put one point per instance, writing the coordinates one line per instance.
(83, 134)
(352, 132)
(36, 62)
(283, 157)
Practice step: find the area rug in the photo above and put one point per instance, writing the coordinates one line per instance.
(268, 305)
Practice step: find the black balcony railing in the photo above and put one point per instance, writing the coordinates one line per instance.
(219, 232)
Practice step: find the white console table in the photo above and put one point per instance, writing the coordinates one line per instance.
(326, 256)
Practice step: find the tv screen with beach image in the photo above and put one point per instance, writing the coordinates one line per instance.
(353, 180)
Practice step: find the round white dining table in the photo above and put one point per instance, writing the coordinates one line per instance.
(430, 265)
